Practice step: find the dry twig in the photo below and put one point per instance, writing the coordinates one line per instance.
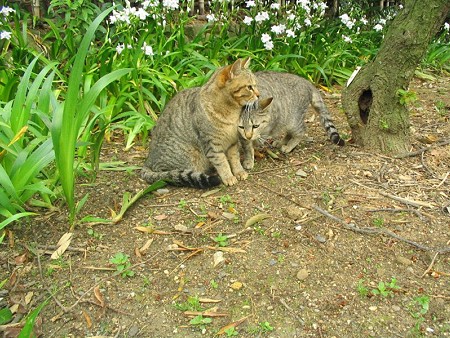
(370, 230)
(422, 150)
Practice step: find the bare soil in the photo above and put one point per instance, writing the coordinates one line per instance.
(345, 243)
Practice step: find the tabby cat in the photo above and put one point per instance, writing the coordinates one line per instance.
(284, 116)
(195, 141)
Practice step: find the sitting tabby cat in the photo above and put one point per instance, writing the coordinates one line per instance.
(285, 116)
(195, 139)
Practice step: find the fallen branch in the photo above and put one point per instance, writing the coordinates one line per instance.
(422, 150)
(407, 201)
(378, 231)
(431, 265)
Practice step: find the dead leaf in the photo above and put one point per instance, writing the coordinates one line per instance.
(19, 260)
(145, 247)
(231, 325)
(62, 245)
(209, 300)
(88, 319)
(209, 193)
(28, 297)
(160, 217)
(150, 230)
(256, 219)
(98, 295)
(137, 252)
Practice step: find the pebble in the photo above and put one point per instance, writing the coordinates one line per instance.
(160, 192)
(302, 274)
(301, 173)
(321, 239)
(133, 331)
(272, 262)
(236, 286)
(396, 308)
(218, 258)
(373, 308)
(403, 260)
(298, 227)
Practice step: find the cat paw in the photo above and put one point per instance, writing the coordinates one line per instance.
(229, 181)
(286, 149)
(242, 175)
(248, 164)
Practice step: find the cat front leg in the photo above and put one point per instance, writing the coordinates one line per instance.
(220, 162)
(248, 161)
(235, 162)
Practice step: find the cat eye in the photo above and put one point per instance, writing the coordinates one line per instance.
(250, 87)
(255, 126)
(241, 127)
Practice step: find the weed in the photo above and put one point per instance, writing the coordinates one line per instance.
(383, 124)
(419, 306)
(182, 204)
(191, 304)
(362, 289)
(441, 108)
(227, 202)
(386, 289)
(122, 264)
(231, 332)
(406, 96)
(276, 234)
(259, 229)
(200, 322)
(94, 234)
(378, 222)
(214, 284)
(222, 240)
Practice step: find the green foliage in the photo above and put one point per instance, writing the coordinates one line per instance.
(386, 289)
(221, 240)
(406, 97)
(122, 264)
(191, 304)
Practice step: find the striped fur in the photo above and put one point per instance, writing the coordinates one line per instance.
(285, 116)
(195, 140)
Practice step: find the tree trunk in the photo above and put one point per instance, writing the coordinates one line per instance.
(377, 118)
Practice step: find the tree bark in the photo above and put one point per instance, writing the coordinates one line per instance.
(377, 118)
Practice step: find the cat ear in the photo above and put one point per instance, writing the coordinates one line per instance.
(224, 75)
(236, 68)
(264, 103)
(245, 63)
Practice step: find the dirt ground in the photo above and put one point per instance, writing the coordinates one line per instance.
(325, 242)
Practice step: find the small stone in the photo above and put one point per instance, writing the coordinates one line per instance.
(272, 262)
(301, 173)
(321, 239)
(161, 192)
(298, 227)
(396, 308)
(373, 308)
(218, 258)
(228, 215)
(236, 286)
(181, 228)
(133, 331)
(302, 274)
(403, 260)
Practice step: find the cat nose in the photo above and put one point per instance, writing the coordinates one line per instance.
(248, 135)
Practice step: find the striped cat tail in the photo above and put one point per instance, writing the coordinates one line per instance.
(185, 178)
(325, 119)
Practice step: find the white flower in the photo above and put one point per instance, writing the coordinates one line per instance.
(400, 6)
(364, 21)
(345, 18)
(120, 48)
(278, 29)
(5, 10)
(307, 22)
(250, 3)
(248, 20)
(148, 50)
(347, 39)
(265, 38)
(303, 4)
(291, 16)
(268, 45)
(382, 22)
(150, 3)
(141, 14)
(290, 33)
(170, 4)
(275, 6)
(378, 27)
(447, 26)
(5, 35)
(211, 18)
(261, 16)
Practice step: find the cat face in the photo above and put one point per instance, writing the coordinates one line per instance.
(254, 119)
(240, 82)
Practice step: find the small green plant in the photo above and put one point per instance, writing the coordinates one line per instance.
(406, 97)
(386, 289)
(231, 332)
(265, 327)
(383, 124)
(122, 263)
(213, 284)
(182, 204)
(191, 304)
(200, 321)
(276, 234)
(378, 222)
(94, 234)
(227, 202)
(441, 108)
(362, 289)
(222, 240)
(259, 229)
(420, 306)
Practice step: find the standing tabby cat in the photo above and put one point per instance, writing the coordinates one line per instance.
(285, 115)
(195, 138)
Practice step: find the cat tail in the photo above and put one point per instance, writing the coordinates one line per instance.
(185, 178)
(325, 119)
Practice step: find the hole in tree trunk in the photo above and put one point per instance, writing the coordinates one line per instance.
(365, 102)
